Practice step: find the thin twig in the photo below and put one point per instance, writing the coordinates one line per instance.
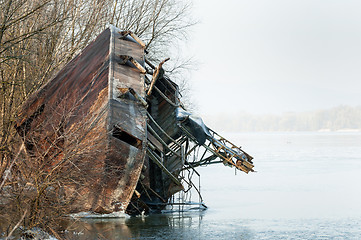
(17, 225)
(11, 165)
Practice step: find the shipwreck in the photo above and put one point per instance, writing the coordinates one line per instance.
(128, 115)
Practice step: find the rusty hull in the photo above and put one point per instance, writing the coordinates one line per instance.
(81, 112)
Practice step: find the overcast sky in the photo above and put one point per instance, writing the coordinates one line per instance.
(276, 56)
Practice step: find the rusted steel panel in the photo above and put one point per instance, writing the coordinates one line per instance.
(128, 114)
(85, 100)
(126, 76)
(75, 99)
(76, 85)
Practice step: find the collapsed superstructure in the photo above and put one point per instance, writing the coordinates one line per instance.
(129, 116)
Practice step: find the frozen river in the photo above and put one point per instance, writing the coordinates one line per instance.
(307, 186)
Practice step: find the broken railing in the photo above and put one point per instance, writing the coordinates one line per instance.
(221, 148)
(218, 146)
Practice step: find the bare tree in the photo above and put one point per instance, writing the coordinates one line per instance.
(159, 23)
(37, 37)
(51, 172)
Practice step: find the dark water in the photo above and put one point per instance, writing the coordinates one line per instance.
(307, 187)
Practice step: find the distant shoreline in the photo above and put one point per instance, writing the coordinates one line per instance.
(337, 119)
(344, 130)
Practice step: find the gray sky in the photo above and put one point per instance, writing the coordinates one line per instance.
(275, 56)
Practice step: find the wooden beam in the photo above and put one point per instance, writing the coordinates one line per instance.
(156, 76)
(126, 58)
(135, 37)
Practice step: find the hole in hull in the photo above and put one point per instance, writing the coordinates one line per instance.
(126, 137)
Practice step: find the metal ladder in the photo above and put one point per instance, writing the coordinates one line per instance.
(223, 149)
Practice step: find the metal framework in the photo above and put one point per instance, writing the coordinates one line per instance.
(217, 149)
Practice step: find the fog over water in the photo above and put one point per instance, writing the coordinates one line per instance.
(276, 56)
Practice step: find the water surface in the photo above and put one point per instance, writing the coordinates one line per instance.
(307, 186)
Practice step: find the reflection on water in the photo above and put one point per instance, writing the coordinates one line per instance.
(178, 225)
(307, 187)
(202, 225)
